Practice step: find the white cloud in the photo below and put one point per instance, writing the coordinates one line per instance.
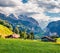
(34, 8)
(9, 3)
(38, 6)
(55, 10)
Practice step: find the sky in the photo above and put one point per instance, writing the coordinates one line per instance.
(44, 11)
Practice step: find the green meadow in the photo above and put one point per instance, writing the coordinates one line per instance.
(27, 46)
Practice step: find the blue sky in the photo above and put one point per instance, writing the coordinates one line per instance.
(24, 1)
(52, 14)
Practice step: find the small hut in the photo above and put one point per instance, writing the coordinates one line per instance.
(13, 36)
(47, 38)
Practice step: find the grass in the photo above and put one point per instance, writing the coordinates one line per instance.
(27, 46)
(58, 41)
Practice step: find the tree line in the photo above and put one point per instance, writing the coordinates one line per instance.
(23, 34)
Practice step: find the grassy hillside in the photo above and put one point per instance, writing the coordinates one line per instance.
(27, 46)
(4, 31)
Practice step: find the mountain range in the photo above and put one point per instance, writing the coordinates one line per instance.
(23, 22)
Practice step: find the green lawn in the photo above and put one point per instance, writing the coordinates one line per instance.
(27, 46)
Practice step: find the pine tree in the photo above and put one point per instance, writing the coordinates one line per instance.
(16, 30)
(31, 35)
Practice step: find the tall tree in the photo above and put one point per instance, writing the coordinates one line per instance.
(16, 30)
(31, 35)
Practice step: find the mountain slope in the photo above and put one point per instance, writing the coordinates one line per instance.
(54, 27)
(4, 31)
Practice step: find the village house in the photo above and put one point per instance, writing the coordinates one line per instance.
(13, 36)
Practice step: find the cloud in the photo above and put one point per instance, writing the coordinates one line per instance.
(8, 3)
(49, 5)
(55, 10)
(37, 6)
(33, 8)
